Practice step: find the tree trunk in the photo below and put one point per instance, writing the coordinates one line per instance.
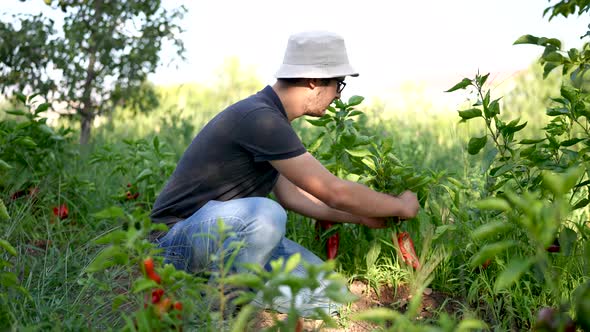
(85, 127)
(87, 112)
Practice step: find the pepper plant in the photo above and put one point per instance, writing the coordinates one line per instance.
(156, 291)
(337, 147)
(537, 186)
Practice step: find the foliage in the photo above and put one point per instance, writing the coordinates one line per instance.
(102, 55)
(535, 184)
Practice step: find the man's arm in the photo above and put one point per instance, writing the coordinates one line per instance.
(311, 176)
(296, 199)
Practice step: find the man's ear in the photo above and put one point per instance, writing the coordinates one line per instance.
(312, 83)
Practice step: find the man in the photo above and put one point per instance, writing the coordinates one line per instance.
(250, 150)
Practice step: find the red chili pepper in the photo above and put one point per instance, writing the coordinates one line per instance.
(178, 305)
(333, 241)
(157, 295)
(554, 247)
(61, 211)
(332, 246)
(406, 245)
(148, 264)
(131, 196)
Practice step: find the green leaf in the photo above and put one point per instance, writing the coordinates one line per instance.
(359, 153)
(144, 174)
(340, 295)
(373, 254)
(511, 129)
(244, 280)
(44, 128)
(493, 203)
(481, 80)
(469, 324)
(495, 172)
(355, 100)
(25, 141)
(42, 108)
(156, 144)
(512, 273)
(143, 284)
(322, 122)
(489, 251)
(490, 229)
(493, 109)
(377, 315)
(316, 143)
(476, 144)
(114, 237)
(4, 165)
(549, 66)
(470, 113)
(581, 203)
(112, 212)
(572, 141)
(292, 262)
(557, 111)
(8, 247)
(240, 323)
(567, 240)
(108, 257)
(461, 85)
(370, 163)
(4, 216)
(441, 230)
(532, 141)
(553, 57)
(21, 97)
(527, 39)
(17, 112)
(8, 279)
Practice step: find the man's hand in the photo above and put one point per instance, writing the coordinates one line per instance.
(410, 205)
(373, 222)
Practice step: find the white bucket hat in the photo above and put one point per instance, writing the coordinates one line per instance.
(315, 54)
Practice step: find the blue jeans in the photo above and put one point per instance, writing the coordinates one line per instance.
(260, 223)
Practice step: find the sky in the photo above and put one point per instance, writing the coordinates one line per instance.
(391, 43)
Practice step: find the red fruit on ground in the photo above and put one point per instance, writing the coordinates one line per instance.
(61, 211)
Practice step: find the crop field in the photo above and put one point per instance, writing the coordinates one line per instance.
(502, 234)
(501, 241)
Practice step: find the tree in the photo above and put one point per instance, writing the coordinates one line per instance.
(99, 59)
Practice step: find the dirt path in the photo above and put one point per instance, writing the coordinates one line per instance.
(387, 297)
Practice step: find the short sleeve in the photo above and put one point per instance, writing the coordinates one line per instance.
(268, 135)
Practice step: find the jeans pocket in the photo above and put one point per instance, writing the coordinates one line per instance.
(176, 250)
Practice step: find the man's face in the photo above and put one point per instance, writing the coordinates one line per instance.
(327, 90)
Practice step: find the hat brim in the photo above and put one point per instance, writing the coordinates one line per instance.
(316, 71)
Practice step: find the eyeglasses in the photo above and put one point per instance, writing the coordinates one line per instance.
(340, 86)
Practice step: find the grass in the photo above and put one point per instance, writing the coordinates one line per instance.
(63, 294)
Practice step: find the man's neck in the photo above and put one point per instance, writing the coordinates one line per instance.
(291, 99)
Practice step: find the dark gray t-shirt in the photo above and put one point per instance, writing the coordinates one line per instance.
(228, 159)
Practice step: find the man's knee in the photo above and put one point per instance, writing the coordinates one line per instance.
(270, 221)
